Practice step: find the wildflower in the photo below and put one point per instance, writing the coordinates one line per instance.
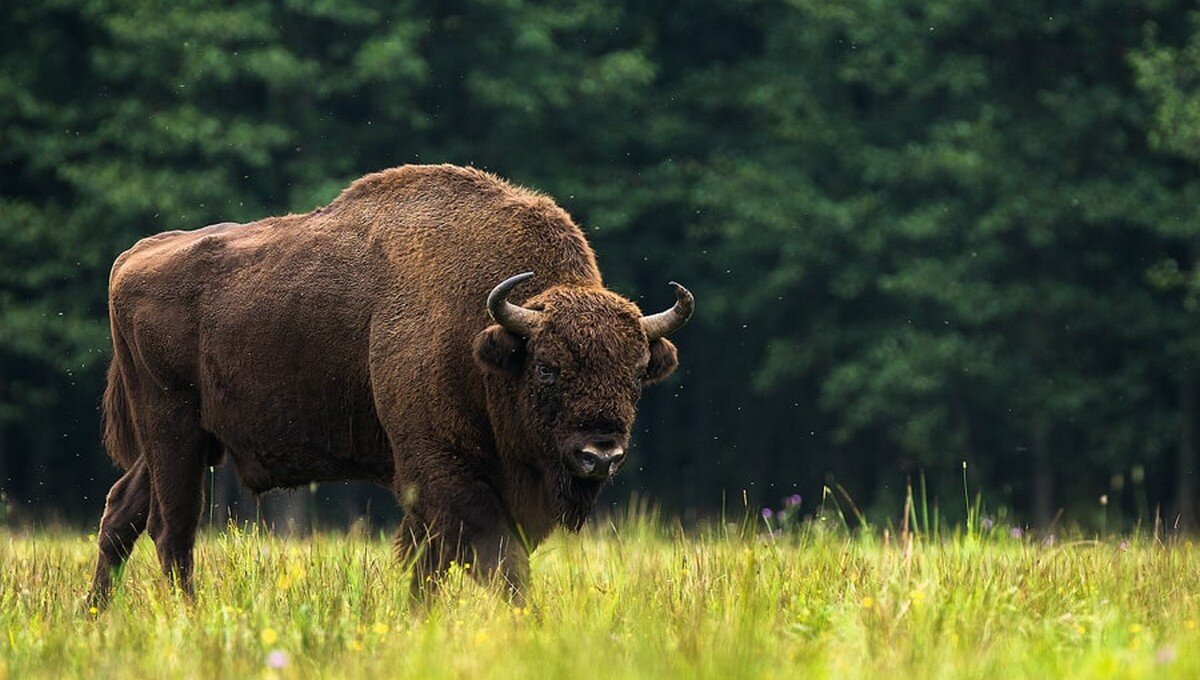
(380, 628)
(1165, 654)
(354, 646)
(93, 611)
(868, 602)
(1135, 628)
(767, 513)
(481, 637)
(1080, 629)
(1190, 624)
(987, 523)
(917, 597)
(277, 659)
(268, 636)
(792, 501)
(1016, 532)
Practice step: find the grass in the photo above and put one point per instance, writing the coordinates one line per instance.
(639, 600)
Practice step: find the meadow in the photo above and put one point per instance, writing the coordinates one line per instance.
(634, 598)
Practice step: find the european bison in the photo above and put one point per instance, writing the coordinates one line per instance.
(354, 342)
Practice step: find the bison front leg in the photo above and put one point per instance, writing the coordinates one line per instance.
(502, 559)
(495, 555)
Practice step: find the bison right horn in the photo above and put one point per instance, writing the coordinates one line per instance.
(513, 318)
(665, 323)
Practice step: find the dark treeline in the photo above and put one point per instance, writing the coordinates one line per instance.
(918, 232)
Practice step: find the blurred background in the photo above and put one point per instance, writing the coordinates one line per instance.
(919, 233)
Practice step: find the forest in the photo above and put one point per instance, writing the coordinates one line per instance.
(949, 245)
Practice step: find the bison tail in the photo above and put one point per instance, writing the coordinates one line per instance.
(118, 425)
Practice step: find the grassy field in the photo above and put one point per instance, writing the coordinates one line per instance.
(635, 601)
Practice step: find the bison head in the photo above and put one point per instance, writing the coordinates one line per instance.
(575, 360)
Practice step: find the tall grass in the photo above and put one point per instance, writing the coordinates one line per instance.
(633, 598)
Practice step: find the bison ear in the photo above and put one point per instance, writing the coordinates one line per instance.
(499, 350)
(663, 360)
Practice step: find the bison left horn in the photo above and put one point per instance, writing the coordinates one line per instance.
(665, 323)
(513, 318)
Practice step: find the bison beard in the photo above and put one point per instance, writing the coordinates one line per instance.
(576, 499)
(354, 342)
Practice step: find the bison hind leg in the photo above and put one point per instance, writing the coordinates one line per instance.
(125, 515)
(177, 451)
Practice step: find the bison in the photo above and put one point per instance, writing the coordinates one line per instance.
(377, 339)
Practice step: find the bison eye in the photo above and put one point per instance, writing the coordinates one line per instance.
(546, 373)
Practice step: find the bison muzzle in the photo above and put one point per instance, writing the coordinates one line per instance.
(398, 335)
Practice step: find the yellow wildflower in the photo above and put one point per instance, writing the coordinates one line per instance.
(268, 636)
(354, 646)
(380, 628)
(1190, 624)
(868, 602)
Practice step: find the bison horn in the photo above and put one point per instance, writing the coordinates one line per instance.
(665, 323)
(512, 317)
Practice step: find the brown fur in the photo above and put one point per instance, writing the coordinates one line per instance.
(353, 343)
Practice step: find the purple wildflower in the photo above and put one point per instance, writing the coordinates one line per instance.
(792, 501)
(767, 513)
(987, 523)
(1016, 532)
(277, 659)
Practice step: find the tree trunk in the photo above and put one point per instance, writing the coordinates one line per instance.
(1043, 474)
(1186, 474)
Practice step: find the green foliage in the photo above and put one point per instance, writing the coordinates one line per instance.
(918, 232)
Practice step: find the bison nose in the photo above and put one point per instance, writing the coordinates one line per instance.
(598, 462)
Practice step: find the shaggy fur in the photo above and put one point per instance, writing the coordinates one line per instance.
(353, 343)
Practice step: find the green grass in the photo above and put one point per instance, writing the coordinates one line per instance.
(637, 601)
